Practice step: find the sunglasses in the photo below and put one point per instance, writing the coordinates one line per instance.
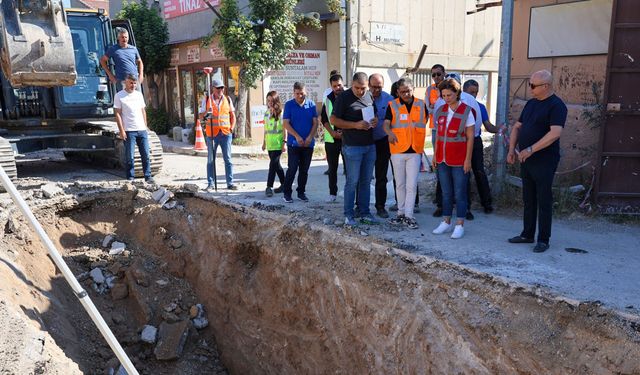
(534, 86)
(219, 88)
(436, 74)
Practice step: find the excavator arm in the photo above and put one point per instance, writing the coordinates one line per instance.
(36, 47)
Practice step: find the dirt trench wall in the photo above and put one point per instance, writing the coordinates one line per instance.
(286, 298)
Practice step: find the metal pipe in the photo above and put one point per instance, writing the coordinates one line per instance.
(504, 74)
(68, 275)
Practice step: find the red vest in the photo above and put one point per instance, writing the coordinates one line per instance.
(451, 141)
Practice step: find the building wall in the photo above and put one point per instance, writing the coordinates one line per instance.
(578, 81)
(460, 42)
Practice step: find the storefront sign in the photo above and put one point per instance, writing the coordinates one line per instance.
(193, 54)
(216, 52)
(257, 115)
(177, 8)
(306, 66)
(387, 33)
(175, 56)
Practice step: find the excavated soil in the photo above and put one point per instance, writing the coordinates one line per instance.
(285, 297)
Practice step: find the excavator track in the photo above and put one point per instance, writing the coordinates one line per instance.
(7, 160)
(117, 159)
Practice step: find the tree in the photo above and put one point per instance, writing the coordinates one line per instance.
(152, 36)
(259, 41)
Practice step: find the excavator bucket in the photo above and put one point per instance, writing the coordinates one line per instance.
(36, 48)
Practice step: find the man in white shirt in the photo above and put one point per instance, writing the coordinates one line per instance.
(131, 118)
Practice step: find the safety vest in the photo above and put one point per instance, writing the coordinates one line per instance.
(328, 105)
(409, 127)
(432, 96)
(273, 137)
(221, 117)
(451, 141)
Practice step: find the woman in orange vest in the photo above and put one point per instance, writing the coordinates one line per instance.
(406, 126)
(274, 135)
(452, 155)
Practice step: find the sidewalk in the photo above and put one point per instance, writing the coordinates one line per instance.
(169, 145)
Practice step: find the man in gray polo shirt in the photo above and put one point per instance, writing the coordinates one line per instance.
(126, 60)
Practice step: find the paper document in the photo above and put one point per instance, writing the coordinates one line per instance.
(367, 113)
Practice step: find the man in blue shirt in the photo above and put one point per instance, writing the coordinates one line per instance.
(381, 101)
(126, 60)
(300, 119)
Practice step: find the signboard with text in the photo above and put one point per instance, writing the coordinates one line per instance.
(306, 66)
(386, 33)
(177, 8)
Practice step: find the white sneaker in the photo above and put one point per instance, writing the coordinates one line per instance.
(442, 228)
(331, 199)
(458, 232)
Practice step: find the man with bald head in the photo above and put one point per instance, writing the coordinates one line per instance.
(535, 142)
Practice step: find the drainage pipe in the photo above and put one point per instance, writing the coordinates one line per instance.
(68, 275)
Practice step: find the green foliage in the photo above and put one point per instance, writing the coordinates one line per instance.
(159, 120)
(260, 40)
(151, 35)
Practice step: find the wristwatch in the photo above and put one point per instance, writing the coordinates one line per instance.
(530, 150)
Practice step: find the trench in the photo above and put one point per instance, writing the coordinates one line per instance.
(286, 297)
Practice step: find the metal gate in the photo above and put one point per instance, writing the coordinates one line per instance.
(617, 188)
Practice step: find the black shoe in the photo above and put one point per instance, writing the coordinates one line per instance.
(278, 190)
(232, 187)
(326, 173)
(394, 207)
(268, 192)
(520, 239)
(469, 216)
(488, 209)
(540, 247)
(382, 213)
(303, 197)
(437, 212)
(150, 180)
(287, 198)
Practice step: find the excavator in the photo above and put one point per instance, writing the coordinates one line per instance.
(53, 92)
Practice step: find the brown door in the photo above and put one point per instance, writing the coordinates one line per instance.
(618, 173)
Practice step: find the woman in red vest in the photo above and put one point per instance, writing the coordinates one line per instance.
(454, 146)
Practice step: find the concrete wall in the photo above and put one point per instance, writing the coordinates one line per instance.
(578, 80)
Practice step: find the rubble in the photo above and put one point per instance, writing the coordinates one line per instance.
(119, 291)
(193, 188)
(148, 334)
(197, 314)
(97, 276)
(51, 190)
(117, 248)
(107, 240)
(171, 340)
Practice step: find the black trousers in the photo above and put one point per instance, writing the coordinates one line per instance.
(299, 162)
(482, 182)
(383, 154)
(333, 151)
(275, 168)
(537, 179)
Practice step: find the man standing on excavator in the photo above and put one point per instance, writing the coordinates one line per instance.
(126, 59)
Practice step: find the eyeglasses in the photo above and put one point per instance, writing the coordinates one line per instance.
(534, 86)
(375, 87)
(219, 88)
(436, 74)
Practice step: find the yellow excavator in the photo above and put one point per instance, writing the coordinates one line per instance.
(53, 92)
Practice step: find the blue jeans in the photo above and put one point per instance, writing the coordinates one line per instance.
(137, 138)
(299, 160)
(454, 184)
(360, 161)
(224, 141)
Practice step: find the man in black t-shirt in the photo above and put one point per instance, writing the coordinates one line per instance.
(537, 137)
(358, 148)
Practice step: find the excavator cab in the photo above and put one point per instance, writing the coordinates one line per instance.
(36, 46)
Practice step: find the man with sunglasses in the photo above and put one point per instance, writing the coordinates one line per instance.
(535, 141)
(218, 126)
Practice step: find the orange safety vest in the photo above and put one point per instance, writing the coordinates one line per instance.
(432, 96)
(409, 127)
(220, 117)
(451, 141)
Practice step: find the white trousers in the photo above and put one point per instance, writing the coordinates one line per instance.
(405, 169)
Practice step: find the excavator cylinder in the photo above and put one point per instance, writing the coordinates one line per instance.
(36, 48)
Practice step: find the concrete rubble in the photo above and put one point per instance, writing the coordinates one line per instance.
(51, 190)
(148, 334)
(117, 248)
(171, 340)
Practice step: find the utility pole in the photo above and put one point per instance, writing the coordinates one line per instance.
(504, 74)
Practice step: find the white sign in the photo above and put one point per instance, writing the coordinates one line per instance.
(306, 66)
(257, 115)
(388, 33)
(193, 54)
